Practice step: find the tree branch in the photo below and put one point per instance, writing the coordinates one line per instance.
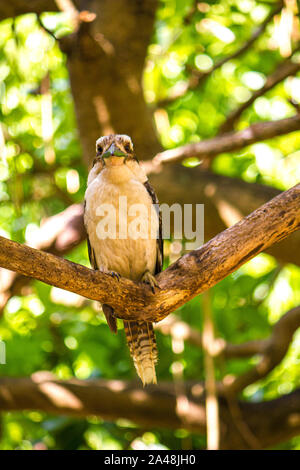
(189, 276)
(272, 350)
(154, 406)
(228, 142)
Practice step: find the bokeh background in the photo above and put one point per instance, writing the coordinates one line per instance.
(43, 172)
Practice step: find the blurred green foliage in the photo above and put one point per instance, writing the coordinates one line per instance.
(40, 175)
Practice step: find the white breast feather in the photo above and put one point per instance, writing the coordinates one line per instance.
(129, 257)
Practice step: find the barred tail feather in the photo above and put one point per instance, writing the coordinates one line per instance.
(143, 350)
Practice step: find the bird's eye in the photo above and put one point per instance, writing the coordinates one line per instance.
(127, 147)
(99, 149)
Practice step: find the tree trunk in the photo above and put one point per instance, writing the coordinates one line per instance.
(105, 60)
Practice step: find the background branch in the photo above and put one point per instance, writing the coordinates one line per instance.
(155, 406)
(207, 149)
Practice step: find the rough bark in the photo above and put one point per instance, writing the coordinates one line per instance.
(189, 276)
(156, 406)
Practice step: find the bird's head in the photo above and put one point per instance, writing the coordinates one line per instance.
(114, 150)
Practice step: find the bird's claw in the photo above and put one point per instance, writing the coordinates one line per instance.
(114, 275)
(150, 279)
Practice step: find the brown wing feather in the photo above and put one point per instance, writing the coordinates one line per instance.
(91, 252)
(92, 256)
(107, 310)
(160, 246)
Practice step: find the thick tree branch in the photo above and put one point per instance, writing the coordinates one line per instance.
(228, 142)
(155, 406)
(189, 276)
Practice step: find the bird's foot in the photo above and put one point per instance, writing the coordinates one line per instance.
(113, 274)
(150, 279)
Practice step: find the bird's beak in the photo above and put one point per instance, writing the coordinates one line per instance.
(113, 151)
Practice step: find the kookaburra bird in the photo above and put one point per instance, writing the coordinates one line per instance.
(116, 174)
